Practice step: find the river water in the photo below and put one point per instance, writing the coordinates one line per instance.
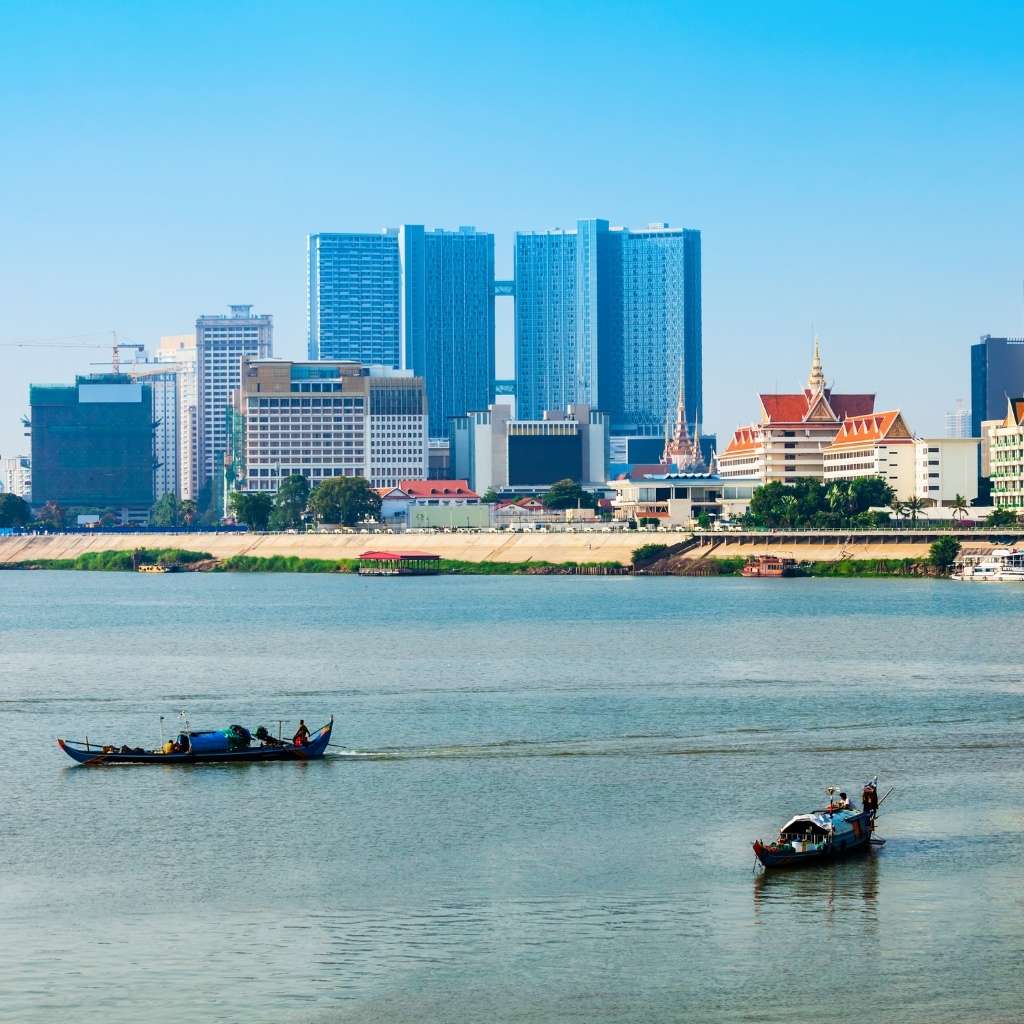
(548, 813)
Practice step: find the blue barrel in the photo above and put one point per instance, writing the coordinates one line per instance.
(209, 742)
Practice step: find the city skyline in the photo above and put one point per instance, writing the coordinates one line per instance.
(855, 208)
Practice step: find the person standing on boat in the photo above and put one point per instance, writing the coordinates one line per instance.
(869, 798)
(301, 737)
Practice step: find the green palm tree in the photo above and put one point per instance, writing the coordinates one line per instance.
(914, 507)
(959, 507)
(838, 497)
(898, 508)
(790, 507)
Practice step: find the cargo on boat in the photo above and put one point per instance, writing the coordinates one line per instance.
(838, 830)
(208, 746)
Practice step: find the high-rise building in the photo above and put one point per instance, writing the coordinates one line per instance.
(352, 288)
(179, 352)
(324, 419)
(607, 316)
(958, 422)
(17, 476)
(221, 343)
(92, 445)
(997, 371)
(447, 317)
(163, 382)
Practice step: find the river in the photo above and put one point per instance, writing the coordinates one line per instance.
(541, 810)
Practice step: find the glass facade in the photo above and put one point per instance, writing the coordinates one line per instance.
(605, 316)
(352, 290)
(448, 318)
(92, 444)
(997, 370)
(545, 322)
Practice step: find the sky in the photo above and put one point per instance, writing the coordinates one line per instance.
(855, 169)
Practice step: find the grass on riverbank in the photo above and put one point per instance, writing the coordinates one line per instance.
(846, 568)
(117, 561)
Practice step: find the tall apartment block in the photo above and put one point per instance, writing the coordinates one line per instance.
(352, 287)
(447, 317)
(163, 383)
(92, 445)
(221, 343)
(178, 352)
(324, 419)
(997, 372)
(607, 316)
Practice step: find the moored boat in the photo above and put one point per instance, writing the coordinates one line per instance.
(1001, 565)
(204, 747)
(828, 834)
(768, 565)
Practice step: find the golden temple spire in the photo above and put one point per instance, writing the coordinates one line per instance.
(816, 378)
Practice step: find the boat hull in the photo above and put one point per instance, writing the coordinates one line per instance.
(311, 751)
(845, 845)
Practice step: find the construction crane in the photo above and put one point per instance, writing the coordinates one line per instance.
(115, 347)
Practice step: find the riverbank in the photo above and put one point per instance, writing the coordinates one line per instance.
(515, 549)
(203, 561)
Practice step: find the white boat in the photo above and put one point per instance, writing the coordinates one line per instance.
(1003, 565)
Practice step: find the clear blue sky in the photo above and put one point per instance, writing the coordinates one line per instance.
(854, 166)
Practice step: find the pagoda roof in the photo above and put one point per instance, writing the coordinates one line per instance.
(874, 427)
(809, 405)
(743, 440)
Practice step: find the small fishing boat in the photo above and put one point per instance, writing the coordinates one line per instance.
(156, 567)
(823, 835)
(204, 747)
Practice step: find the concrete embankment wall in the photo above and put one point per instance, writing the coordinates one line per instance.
(466, 547)
(804, 552)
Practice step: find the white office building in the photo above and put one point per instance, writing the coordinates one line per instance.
(178, 351)
(945, 467)
(221, 343)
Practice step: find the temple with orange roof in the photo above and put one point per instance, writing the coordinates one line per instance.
(787, 442)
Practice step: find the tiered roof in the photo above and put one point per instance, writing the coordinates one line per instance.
(872, 428)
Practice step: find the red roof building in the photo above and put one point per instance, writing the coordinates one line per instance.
(788, 441)
(877, 444)
(440, 492)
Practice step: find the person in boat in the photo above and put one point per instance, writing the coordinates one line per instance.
(265, 738)
(869, 798)
(301, 737)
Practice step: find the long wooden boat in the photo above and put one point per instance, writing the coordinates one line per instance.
(816, 837)
(95, 755)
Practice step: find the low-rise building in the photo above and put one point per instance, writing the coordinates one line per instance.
(946, 467)
(324, 419)
(678, 499)
(878, 445)
(1006, 457)
(491, 449)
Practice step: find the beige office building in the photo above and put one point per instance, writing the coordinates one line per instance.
(326, 419)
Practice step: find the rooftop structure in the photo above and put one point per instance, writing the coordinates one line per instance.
(787, 442)
(877, 444)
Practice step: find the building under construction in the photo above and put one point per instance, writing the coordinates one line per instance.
(92, 446)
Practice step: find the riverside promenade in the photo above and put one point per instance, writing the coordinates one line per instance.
(536, 546)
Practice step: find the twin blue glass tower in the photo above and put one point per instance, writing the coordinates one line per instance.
(604, 316)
